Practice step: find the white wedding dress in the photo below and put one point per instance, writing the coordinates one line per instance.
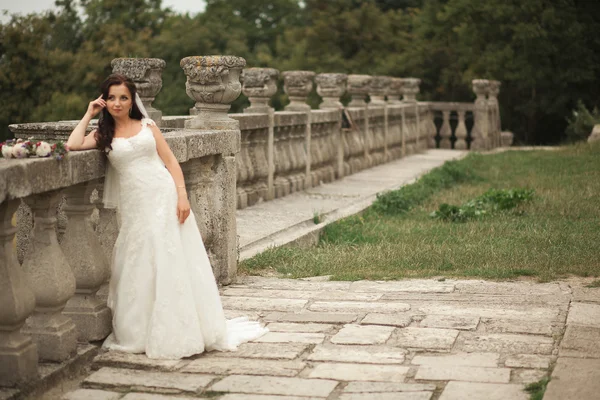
(163, 294)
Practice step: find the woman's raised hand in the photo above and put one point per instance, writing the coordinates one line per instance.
(96, 106)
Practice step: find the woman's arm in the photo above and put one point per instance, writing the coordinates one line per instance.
(77, 139)
(167, 156)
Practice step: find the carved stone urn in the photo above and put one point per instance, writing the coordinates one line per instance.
(214, 83)
(331, 87)
(259, 85)
(358, 88)
(146, 73)
(297, 85)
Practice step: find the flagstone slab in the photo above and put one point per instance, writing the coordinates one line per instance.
(295, 327)
(251, 315)
(262, 304)
(398, 320)
(359, 372)
(358, 307)
(159, 382)
(527, 376)
(462, 373)
(580, 341)
(117, 359)
(358, 354)
(527, 361)
(503, 288)
(461, 359)
(413, 285)
(287, 351)
(316, 317)
(363, 334)
(291, 337)
(505, 343)
(148, 396)
(240, 396)
(584, 314)
(456, 390)
(244, 366)
(92, 394)
(303, 294)
(589, 295)
(289, 284)
(388, 396)
(574, 378)
(377, 387)
(450, 322)
(275, 386)
(493, 325)
(427, 338)
(497, 312)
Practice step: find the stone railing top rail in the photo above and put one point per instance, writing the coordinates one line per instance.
(451, 106)
(21, 178)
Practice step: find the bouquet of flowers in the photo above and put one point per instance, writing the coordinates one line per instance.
(26, 148)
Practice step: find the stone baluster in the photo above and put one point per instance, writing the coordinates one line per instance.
(18, 354)
(298, 85)
(358, 88)
(331, 87)
(146, 73)
(395, 91)
(461, 131)
(84, 253)
(431, 129)
(446, 131)
(479, 131)
(52, 281)
(493, 104)
(214, 83)
(259, 85)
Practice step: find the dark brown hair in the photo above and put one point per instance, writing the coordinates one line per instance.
(106, 123)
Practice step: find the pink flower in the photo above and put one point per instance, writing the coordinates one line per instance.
(20, 151)
(43, 149)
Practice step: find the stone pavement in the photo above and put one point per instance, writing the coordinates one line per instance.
(402, 340)
(290, 218)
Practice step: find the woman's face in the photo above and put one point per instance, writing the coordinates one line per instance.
(119, 102)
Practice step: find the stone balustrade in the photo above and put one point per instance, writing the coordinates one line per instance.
(64, 235)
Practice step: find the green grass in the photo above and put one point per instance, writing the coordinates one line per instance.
(553, 235)
(537, 389)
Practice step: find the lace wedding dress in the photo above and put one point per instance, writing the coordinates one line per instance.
(163, 294)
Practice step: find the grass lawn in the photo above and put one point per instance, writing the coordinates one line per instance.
(554, 235)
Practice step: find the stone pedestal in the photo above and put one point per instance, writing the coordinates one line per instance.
(378, 89)
(410, 89)
(259, 85)
(331, 87)
(494, 107)
(395, 91)
(146, 73)
(53, 283)
(86, 257)
(18, 354)
(508, 137)
(358, 88)
(297, 85)
(480, 128)
(214, 83)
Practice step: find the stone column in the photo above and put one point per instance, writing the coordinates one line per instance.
(446, 131)
(331, 87)
(18, 354)
(52, 281)
(298, 85)
(85, 255)
(214, 83)
(479, 131)
(461, 131)
(146, 73)
(259, 85)
(358, 88)
(493, 105)
(395, 91)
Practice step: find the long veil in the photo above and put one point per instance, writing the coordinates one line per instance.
(110, 197)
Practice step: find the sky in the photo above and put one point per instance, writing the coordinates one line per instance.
(29, 6)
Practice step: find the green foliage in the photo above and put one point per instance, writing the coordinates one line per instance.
(537, 389)
(491, 201)
(581, 122)
(402, 200)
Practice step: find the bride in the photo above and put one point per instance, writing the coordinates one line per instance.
(162, 294)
